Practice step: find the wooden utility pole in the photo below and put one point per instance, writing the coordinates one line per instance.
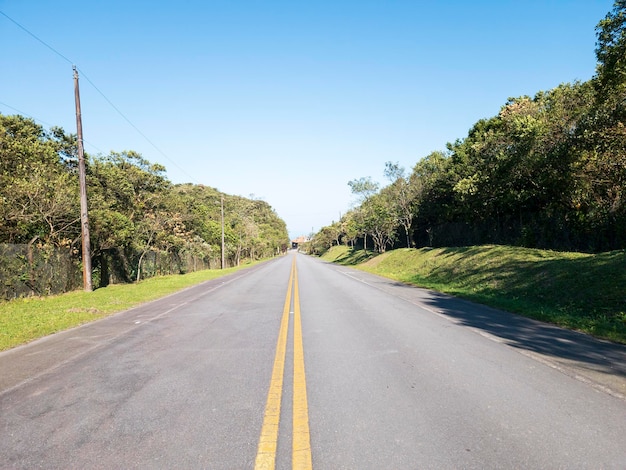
(82, 179)
(223, 266)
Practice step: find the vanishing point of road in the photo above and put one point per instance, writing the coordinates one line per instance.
(297, 363)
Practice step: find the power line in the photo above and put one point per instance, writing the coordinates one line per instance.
(25, 114)
(134, 127)
(101, 94)
(36, 119)
(32, 35)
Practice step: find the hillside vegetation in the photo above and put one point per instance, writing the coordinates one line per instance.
(134, 211)
(585, 292)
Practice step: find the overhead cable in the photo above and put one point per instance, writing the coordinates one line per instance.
(98, 90)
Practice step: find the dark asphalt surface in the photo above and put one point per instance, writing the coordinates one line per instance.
(397, 377)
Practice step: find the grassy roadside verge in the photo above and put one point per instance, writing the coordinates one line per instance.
(23, 320)
(585, 292)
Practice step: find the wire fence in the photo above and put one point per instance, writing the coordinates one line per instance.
(30, 270)
(37, 270)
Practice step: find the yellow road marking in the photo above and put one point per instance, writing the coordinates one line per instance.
(301, 445)
(266, 452)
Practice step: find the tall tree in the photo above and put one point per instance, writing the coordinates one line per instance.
(602, 137)
(38, 196)
(128, 194)
(403, 196)
(611, 51)
(380, 219)
(435, 197)
(364, 188)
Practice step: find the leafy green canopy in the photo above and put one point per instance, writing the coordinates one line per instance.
(133, 207)
(548, 171)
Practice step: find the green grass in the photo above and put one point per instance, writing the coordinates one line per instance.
(23, 320)
(575, 290)
(346, 256)
(585, 292)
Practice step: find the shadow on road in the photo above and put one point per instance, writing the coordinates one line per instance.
(532, 335)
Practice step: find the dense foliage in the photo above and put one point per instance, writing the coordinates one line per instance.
(133, 208)
(547, 171)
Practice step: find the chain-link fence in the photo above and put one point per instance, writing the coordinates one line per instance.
(34, 270)
(27, 270)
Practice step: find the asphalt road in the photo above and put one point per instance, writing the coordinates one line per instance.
(392, 377)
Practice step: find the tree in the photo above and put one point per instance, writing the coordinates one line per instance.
(200, 207)
(434, 196)
(402, 197)
(128, 194)
(326, 238)
(611, 52)
(363, 188)
(349, 227)
(380, 220)
(601, 140)
(38, 196)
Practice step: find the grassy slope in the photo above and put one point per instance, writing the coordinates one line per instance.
(23, 320)
(575, 290)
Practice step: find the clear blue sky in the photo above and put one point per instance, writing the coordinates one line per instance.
(287, 100)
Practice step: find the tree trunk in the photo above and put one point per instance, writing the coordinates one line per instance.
(139, 265)
(31, 265)
(407, 231)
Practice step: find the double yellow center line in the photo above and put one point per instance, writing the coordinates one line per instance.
(301, 443)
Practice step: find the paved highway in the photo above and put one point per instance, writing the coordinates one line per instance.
(296, 363)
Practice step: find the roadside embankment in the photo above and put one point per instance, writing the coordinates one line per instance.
(584, 292)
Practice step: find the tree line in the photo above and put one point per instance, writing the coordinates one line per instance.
(133, 208)
(548, 171)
